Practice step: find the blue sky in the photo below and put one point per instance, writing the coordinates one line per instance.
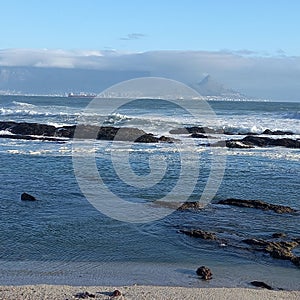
(266, 26)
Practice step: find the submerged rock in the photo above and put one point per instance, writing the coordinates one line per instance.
(279, 250)
(261, 284)
(27, 197)
(277, 235)
(194, 205)
(204, 272)
(198, 233)
(296, 260)
(196, 130)
(277, 132)
(258, 204)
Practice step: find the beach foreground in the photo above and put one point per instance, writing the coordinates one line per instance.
(138, 292)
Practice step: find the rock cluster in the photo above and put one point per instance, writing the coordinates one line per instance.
(36, 131)
(197, 233)
(279, 250)
(258, 204)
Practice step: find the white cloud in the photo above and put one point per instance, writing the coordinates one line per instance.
(244, 70)
(133, 36)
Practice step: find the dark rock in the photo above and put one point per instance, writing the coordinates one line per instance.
(266, 142)
(277, 235)
(258, 204)
(297, 239)
(296, 260)
(150, 138)
(35, 131)
(166, 139)
(204, 272)
(281, 254)
(277, 132)
(191, 205)
(65, 131)
(255, 242)
(279, 250)
(196, 129)
(116, 293)
(28, 128)
(27, 197)
(237, 144)
(197, 233)
(85, 295)
(248, 133)
(251, 140)
(198, 136)
(261, 284)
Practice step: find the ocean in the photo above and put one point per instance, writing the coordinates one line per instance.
(65, 238)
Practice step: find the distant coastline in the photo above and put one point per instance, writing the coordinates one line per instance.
(90, 95)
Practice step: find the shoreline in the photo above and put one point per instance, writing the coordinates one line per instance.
(63, 292)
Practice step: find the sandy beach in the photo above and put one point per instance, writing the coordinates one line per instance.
(58, 292)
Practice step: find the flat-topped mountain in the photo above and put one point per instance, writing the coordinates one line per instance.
(210, 87)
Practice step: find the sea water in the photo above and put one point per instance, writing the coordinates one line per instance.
(62, 238)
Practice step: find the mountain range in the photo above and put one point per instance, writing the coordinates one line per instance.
(59, 81)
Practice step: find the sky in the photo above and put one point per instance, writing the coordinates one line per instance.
(270, 27)
(252, 46)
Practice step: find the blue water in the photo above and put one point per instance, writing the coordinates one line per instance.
(63, 238)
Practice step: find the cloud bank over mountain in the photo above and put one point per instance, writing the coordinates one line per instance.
(274, 77)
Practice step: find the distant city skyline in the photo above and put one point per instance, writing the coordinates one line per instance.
(56, 71)
(255, 27)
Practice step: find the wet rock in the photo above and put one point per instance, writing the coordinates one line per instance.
(204, 272)
(196, 129)
(27, 197)
(35, 131)
(277, 235)
(194, 205)
(296, 239)
(279, 250)
(198, 136)
(85, 295)
(28, 128)
(116, 293)
(248, 133)
(296, 260)
(150, 138)
(237, 144)
(277, 132)
(266, 142)
(255, 242)
(258, 204)
(201, 136)
(197, 233)
(252, 140)
(281, 254)
(261, 284)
